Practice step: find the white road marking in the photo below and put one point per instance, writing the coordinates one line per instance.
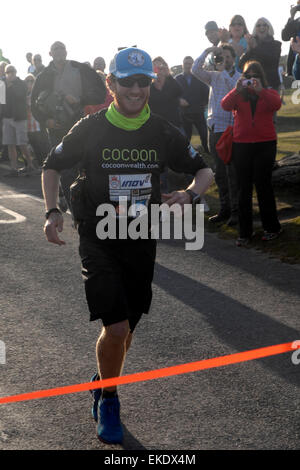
(13, 195)
(17, 218)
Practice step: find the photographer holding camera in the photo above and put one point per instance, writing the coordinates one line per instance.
(220, 81)
(292, 31)
(295, 46)
(254, 149)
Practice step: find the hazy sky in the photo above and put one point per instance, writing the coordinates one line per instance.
(170, 28)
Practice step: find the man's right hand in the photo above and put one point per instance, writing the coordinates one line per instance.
(224, 35)
(215, 50)
(53, 225)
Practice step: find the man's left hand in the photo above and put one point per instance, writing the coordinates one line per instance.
(183, 102)
(176, 197)
(224, 35)
(71, 100)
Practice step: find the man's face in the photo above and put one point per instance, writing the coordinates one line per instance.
(99, 64)
(130, 101)
(228, 60)
(58, 52)
(213, 36)
(37, 61)
(29, 57)
(10, 74)
(187, 66)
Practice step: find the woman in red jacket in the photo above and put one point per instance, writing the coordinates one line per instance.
(254, 148)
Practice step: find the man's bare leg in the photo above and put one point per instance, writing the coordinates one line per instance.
(27, 156)
(13, 157)
(111, 349)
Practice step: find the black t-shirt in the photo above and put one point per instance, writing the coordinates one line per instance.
(124, 163)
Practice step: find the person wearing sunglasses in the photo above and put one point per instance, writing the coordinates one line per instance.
(238, 30)
(262, 47)
(253, 105)
(124, 149)
(220, 83)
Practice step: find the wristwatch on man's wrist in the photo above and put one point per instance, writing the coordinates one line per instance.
(54, 209)
(195, 198)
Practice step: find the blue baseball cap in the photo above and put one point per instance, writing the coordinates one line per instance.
(131, 61)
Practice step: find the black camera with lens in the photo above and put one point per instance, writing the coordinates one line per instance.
(218, 59)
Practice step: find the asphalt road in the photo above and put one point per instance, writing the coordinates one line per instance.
(217, 301)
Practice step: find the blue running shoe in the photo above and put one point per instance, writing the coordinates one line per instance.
(96, 394)
(109, 429)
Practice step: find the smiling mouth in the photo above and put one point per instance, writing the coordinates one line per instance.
(134, 98)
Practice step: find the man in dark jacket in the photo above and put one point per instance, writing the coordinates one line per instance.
(195, 96)
(73, 85)
(59, 95)
(14, 114)
(291, 30)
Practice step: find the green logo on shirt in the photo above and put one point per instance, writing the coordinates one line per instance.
(126, 155)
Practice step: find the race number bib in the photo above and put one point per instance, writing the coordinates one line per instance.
(136, 188)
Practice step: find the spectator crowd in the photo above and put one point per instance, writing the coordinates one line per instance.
(235, 83)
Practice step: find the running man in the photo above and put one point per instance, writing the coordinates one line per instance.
(120, 145)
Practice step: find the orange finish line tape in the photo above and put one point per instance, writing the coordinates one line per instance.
(156, 374)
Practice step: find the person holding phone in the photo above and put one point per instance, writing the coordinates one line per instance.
(254, 149)
(220, 82)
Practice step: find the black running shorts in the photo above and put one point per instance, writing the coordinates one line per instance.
(118, 275)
